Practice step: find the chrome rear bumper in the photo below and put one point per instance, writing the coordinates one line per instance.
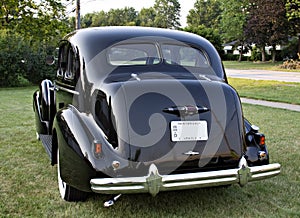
(154, 182)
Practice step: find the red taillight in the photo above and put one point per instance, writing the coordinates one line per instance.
(262, 140)
(97, 149)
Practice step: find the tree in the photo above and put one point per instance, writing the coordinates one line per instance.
(14, 10)
(233, 21)
(39, 20)
(205, 12)
(99, 19)
(36, 22)
(293, 14)
(210, 34)
(22, 62)
(146, 17)
(122, 17)
(29, 31)
(167, 14)
(266, 24)
(87, 20)
(114, 17)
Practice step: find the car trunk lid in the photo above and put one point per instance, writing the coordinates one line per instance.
(179, 124)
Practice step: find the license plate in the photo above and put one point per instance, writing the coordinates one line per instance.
(189, 131)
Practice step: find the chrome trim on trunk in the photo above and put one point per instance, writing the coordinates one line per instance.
(154, 182)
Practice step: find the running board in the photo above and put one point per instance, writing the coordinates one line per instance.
(47, 143)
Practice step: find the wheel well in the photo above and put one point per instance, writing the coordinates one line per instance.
(54, 148)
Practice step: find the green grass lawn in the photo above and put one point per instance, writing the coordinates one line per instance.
(28, 186)
(250, 65)
(247, 65)
(267, 90)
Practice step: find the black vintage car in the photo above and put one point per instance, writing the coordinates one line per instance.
(135, 110)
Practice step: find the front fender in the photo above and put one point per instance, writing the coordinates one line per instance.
(44, 107)
(40, 125)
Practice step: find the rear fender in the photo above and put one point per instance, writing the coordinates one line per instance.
(76, 134)
(74, 140)
(256, 153)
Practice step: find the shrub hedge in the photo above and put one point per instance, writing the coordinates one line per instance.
(22, 61)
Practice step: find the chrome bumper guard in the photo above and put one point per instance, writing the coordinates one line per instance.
(154, 182)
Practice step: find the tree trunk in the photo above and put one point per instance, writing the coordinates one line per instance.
(263, 54)
(241, 53)
(299, 45)
(273, 53)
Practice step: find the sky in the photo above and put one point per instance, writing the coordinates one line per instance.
(89, 6)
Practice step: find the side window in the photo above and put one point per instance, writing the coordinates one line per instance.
(71, 65)
(62, 61)
(68, 64)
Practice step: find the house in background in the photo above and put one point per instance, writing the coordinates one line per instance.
(231, 48)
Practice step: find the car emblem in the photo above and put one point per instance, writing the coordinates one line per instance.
(188, 110)
(191, 153)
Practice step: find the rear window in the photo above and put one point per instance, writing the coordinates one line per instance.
(184, 56)
(133, 54)
(148, 54)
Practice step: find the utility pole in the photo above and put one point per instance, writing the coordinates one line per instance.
(77, 17)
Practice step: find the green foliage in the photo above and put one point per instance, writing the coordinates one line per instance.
(232, 23)
(289, 51)
(204, 20)
(10, 60)
(255, 54)
(210, 34)
(21, 62)
(229, 57)
(12, 10)
(293, 9)
(293, 14)
(233, 20)
(266, 24)
(167, 14)
(37, 20)
(29, 30)
(205, 12)
(164, 14)
(87, 20)
(114, 17)
(146, 17)
(121, 17)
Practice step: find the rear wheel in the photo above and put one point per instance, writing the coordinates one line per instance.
(66, 191)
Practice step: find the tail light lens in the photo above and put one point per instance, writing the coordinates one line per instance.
(97, 149)
(262, 140)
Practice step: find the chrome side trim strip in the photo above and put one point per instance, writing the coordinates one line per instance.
(57, 88)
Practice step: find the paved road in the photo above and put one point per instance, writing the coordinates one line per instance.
(264, 75)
